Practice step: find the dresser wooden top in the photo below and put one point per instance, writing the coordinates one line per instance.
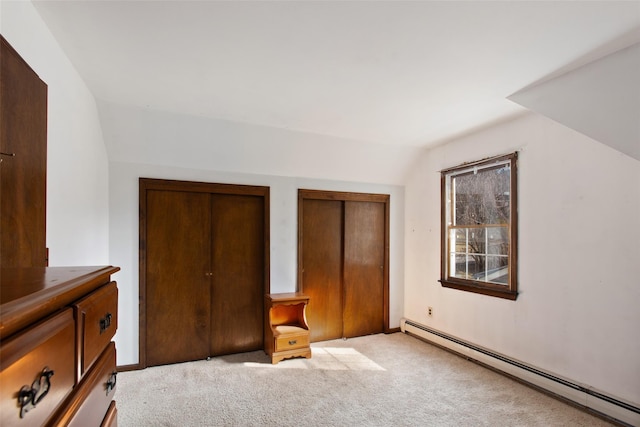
(289, 297)
(29, 294)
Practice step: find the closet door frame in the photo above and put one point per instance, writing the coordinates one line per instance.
(149, 184)
(304, 194)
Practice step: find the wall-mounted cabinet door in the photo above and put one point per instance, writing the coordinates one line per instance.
(203, 271)
(343, 262)
(23, 162)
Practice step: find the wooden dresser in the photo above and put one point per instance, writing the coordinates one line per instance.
(57, 360)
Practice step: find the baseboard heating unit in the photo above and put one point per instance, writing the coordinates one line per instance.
(585, 396)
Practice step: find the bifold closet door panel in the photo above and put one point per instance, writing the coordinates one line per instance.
(322, 225)
(364, 242)
(178, 300)
(237, 273)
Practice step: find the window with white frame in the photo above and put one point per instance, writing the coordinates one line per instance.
(479, 227)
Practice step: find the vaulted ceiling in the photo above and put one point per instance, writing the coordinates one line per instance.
(390, 72)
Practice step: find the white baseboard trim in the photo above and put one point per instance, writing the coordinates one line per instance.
(624, 412)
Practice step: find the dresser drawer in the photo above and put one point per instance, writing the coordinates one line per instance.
(97, 317)
(95, 392)
(111, 419)
(37, 371)
(291, 341)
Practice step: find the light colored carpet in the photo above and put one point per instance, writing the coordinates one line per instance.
(378, 380)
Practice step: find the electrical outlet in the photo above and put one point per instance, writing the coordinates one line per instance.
(430, 311)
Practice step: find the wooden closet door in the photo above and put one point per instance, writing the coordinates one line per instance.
(343, 262)
(364, 242)
(238, 274)
(178, 260)
(23, 170)
(321, 246)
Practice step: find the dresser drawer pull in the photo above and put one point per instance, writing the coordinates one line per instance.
(105, 322)
(111, 382)
(29, 397)
(292, 342)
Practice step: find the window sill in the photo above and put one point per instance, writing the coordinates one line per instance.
(479, 289)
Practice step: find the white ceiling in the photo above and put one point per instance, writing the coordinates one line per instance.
(391, 72)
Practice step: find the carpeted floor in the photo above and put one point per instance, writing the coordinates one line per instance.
(378, 380)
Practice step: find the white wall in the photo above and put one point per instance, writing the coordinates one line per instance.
(134, 134)
(154, 144)
(610, 87)
(579, 202)
(77, 174)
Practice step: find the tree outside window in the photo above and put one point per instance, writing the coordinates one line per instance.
(479, 227)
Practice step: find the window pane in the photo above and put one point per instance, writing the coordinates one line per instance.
(476, 266)
(498, 241)
(497, 269)
(458, 240)
(477, 240)
(460, 266)
(482, 197)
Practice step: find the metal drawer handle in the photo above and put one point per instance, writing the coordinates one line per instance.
(292, 342)
(111, 382)
(105, 322)
(29, 397)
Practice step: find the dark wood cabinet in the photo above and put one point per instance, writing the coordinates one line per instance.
(57, 360)
(204, 269)
(343, 262)
(23, 162)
